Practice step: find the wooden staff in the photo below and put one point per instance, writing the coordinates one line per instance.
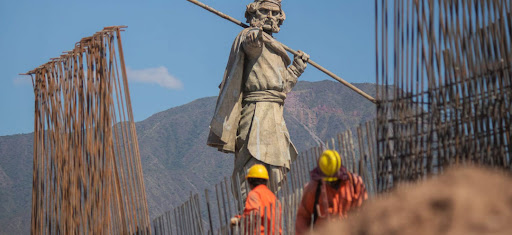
(227, 17)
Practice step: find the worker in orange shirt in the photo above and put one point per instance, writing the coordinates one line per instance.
(259, 200)
(330, 194)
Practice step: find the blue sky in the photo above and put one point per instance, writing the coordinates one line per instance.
(175, 51)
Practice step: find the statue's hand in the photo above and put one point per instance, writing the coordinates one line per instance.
(254, 38)
(300, 61)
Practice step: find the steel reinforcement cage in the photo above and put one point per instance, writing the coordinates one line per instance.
(87, 175)
(446, 66)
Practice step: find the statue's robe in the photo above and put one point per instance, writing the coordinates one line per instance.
(248, 118)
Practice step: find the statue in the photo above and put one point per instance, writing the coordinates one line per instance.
(248, 118)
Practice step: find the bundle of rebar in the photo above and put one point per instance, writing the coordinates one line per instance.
(87, 175)
(210, 213)
(444, 69)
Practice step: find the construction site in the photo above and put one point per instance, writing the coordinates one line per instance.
(436, 158)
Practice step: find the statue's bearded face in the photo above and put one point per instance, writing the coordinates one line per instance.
(268, 16)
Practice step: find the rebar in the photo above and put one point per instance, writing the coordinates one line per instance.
(445, 99)
(87, 175)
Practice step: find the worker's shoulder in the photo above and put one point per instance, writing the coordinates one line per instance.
(310, 186)
(311, 183)
(254, 196)
(261, 193)
(355, 175)
(357, 179)
(261, 189)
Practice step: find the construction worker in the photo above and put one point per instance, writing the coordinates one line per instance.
(330, 194)
(259, 200)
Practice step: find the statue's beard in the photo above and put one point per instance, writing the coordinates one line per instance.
(269, 25)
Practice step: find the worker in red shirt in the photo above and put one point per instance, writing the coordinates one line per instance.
(330, 194)
(259, 200)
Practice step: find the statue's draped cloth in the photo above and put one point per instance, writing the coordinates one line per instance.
(248, 118)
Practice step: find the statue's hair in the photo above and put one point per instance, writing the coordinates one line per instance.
(251, 11)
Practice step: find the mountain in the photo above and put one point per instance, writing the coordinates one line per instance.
(175, 158)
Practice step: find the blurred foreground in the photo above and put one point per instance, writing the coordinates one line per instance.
(463, 201)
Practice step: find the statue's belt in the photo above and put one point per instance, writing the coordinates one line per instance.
(265, 96)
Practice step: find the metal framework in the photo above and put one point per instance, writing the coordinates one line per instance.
(444, 72)
(87, 172)
(210, 213)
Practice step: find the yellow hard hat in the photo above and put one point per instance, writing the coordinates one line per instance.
(329, 163)
(257, 171)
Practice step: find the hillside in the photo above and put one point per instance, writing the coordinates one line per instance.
(173, 147)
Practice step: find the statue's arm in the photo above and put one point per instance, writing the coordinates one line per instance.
(252, 42)
(296, 69)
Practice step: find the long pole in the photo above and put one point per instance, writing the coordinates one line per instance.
(311, 62)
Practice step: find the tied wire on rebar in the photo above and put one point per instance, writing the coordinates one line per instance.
(445, 99)
(210, 213)
(87, 175)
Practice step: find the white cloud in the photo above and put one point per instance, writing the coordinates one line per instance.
(22, 81)
(159, 75)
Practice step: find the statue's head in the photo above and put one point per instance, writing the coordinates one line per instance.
(266, 14)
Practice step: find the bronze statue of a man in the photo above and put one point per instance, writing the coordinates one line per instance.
(248, 118)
